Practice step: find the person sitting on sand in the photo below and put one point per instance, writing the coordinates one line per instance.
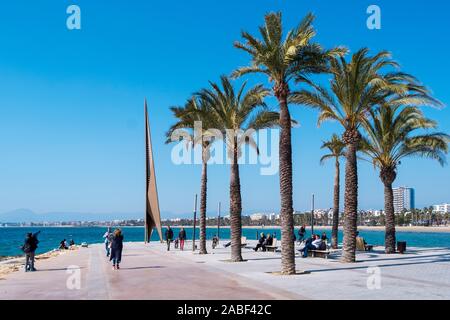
(71, 243)
(261, 242)
(116, 249)
(63, 245)
(312, 245)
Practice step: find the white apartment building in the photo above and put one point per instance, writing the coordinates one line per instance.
(442, 208)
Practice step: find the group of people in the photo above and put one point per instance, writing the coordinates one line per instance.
(63, 245)
(114, 247)
(264, 242)
(316, 242)
(179, 242)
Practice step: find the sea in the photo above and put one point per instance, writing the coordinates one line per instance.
(12, 238)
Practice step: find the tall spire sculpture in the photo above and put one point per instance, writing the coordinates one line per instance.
(152, 213)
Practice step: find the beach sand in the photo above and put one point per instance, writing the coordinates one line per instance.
(12, 264)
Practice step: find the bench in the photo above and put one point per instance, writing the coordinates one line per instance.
(319, 253)
(243, 242)
(273, 247)
(362, 246)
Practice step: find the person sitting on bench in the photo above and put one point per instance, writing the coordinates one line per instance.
(261, 243)
(268, 242)
(312, 245)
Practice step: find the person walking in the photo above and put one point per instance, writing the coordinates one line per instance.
(116, 249)
(29, 248)
(108, 238)
(169, 237)
(182, 237)
(301, 233)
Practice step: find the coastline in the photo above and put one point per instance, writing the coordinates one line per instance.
(438, 229)
(442, 229)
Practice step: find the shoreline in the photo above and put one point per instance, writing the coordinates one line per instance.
(420, 229)
(442, 229)
(14, 263)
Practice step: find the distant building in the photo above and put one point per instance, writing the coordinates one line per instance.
(404, 198)
(442, 208)
(257, 216)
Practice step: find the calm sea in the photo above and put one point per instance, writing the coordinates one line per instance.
(12, 238)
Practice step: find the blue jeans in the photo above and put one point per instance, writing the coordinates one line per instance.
(309, 246)
(107, 249)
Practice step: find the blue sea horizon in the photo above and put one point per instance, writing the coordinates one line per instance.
(11, 238)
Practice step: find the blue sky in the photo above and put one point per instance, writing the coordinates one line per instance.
(71, 102)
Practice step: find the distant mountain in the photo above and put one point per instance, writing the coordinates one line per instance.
(19, 215)
(26, 216)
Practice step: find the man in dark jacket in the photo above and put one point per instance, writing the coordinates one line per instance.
(169, 237)
(182, 237)
(261, 243)
(29, 248)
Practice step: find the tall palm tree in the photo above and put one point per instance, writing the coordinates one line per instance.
(280, 60)
(195, 110)
(358, 86)
(391, 136)
(336, 150)
(238, 113)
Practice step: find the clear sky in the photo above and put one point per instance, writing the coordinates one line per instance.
(71, 102)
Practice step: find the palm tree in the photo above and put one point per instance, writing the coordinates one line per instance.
(391, 137)
(195, 110)
(358, 86)
(280, 60)
(336, 148)
(238, 114)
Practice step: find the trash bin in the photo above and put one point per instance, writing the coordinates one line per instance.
(401, 246)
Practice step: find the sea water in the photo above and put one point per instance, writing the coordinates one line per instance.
(12, 238)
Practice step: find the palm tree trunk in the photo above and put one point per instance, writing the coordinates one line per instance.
(203, 194)
(286, 189)
(350, 199)
(388, 175)
(235, 207)
(335, 228)
(389, 241)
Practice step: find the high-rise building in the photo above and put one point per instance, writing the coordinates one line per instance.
(404, 198)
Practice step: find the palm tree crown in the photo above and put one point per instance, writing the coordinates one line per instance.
(391, 137)
(336, 148)
(283, 59)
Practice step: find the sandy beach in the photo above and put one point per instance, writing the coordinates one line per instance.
(12, 264)
(444, 229)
